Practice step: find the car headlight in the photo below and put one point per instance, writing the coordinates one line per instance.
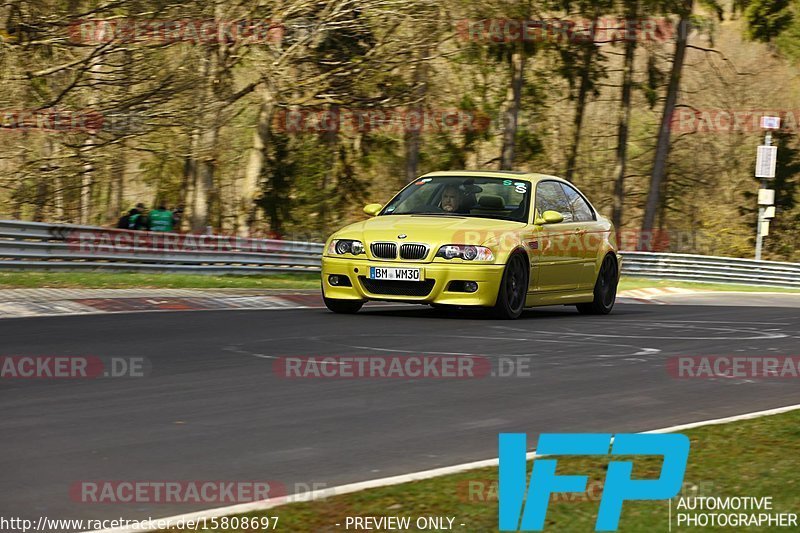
(466, 252)
(345, 246)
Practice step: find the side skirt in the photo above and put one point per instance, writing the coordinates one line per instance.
(559, 297)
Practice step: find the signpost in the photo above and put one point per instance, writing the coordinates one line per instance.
(770, 123)
(766, 160)
(766, 197)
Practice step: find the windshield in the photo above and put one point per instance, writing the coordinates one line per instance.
(480, 197)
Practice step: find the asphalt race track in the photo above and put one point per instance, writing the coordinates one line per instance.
(211, 408)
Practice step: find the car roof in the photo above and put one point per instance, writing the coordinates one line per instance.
(528, 176)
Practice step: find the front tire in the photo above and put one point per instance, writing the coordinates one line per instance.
(513, 289)
(345, 307)
(605, 290)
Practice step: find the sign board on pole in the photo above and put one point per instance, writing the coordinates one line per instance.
(764, 228)
(770, 123)
(766, 196)
(769, 212)
(765, 161)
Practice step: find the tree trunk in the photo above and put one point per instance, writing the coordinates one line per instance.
(412, 137)
(186, 194)
(583, 91)
(412, 144)
(255, 165)
(204, 178)
(663, 145)
(329, 175)
(87, 147)
(58, 198)
(119, 167)
(511, 113)
(87, 180)
(42, 180)
(16, 206)
(41, 196)
(205, 154)
(623, 124)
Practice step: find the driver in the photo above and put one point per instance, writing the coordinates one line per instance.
(451, 198)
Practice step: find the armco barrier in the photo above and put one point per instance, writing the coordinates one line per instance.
(39, 246)
(712, 269)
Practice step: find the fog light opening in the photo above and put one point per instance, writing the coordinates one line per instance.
(462, 286)
(339, 280)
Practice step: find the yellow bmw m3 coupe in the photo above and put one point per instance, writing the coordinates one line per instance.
(499, 240)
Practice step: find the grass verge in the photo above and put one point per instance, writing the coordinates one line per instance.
(748, 458)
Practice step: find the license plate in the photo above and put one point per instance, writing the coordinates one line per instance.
(406, 274)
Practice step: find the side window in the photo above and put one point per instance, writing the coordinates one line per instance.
(550, 197)
(581, 210)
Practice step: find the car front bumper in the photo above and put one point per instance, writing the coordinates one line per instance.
(487, 276)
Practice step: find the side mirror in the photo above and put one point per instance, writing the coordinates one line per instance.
(549, 217)
(372, 209)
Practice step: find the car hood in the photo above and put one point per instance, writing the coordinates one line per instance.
(435, 230)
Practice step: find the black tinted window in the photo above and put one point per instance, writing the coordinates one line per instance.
(580, 209)
(550, 197)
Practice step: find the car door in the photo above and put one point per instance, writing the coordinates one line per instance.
(560, 260)
(588, 233)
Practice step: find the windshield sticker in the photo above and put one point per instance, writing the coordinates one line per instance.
(422, 181)
(519, 186)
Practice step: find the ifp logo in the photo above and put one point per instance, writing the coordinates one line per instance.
(618, 484)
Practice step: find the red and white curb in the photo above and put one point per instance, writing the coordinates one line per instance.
(18, 303)
(651, 294)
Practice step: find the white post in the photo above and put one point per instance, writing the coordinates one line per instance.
(759, 236)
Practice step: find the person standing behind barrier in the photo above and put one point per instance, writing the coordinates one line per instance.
(125, 221)
(138, 221)
(160, 219)
(177, 217)
(135, 219)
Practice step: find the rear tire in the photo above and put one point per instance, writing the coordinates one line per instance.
(513, 289)
(605, 290)
(344, 307)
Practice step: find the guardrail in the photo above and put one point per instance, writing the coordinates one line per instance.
(39, 246)
(69, 247)
(711, 269)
